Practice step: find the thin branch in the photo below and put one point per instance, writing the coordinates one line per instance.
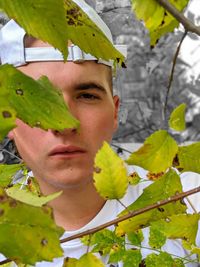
(127, 216)
(191, 205)
(172, 75)
(188, 25)
(133, 214)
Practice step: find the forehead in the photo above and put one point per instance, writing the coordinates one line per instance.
(69, 73)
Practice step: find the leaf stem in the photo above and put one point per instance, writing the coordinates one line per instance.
(127, 216)
(171, 77)
(188, 25)
(133, 214)
(123, 205)
(159, 250)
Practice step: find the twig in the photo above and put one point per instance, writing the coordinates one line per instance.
(127, 216)
(191, 205)
(188, 25)
(171, 77)
(5, 261)
(133, 214)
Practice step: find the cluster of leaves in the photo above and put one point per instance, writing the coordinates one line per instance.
(24, 216)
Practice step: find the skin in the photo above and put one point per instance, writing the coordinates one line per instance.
(86, 90)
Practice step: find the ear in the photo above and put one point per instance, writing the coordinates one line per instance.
(116, 111)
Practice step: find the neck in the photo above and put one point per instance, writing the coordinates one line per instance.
(75, 207)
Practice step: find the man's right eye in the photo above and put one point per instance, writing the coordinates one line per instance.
(88, 96)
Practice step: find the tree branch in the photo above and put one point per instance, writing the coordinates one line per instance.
(133, 214)
(127, 216)
(172, 76)
(188, 25)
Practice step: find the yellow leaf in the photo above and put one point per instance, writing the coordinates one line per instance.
(110, 174)
(157, 153)
(177, 118)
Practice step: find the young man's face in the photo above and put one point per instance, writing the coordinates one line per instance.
(65, 159)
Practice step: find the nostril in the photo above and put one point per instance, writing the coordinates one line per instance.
(65, 131)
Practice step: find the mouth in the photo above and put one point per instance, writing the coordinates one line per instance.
(66, 151)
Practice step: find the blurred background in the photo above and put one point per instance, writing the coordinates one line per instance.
(142, 86)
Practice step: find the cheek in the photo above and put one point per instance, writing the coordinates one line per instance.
(28, 140)
(98, 126)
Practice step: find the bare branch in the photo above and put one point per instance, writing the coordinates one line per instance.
(133, 214)
(188, 25)
(172, 75)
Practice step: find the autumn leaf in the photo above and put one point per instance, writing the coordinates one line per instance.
(24, 229)
(157, 153)
(61, 21)
(157, 20)
(159, 190)
(177, 118)
(188, 158)
(110, 176)
(37, 103)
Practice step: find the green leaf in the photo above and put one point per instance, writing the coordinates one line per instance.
(136, 238)
(157, 239)
(177, 118)
(29, 197)
(7, 173)
(157, 20)
(104, 242)
(189, 158)
(83, 32)
(163, 259)
(110, 176)
(134, 178)
(89, 260)
(182, 226)
(70, 262)
(132, 258)
(7, 119)
(25, 229)
(61, 21)
(52, 15)
(157, 153)
(159, 190)
(38, 104)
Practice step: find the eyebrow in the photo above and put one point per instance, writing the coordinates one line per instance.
(90, 85)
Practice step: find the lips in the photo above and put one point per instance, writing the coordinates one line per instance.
(62, 150)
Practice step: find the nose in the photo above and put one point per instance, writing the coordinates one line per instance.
(65, 131)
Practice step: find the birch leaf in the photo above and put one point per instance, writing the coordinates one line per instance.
(70, 262)
(110, 176)
(157, 20)
(161, 189)
(157, 260)
(132, 258)
(189, 158)
(37, 103)
(7, 172)
(157, 153)
(29, 197)
(177, 118)
(61, 21)
(183, 226)
(24, 229)
(89, 260)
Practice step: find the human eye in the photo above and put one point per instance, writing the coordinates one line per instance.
(88, 96)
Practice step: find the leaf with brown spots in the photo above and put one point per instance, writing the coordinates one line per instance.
(157, 20)
(37, 103)
(25, 229)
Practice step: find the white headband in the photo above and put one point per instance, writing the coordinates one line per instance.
(12, 50)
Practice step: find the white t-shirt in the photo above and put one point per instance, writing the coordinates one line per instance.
(75, 248)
